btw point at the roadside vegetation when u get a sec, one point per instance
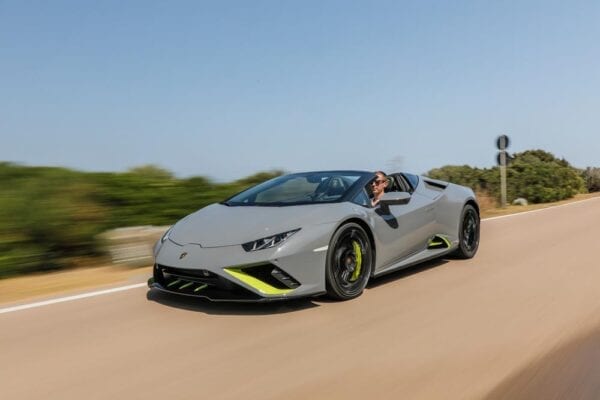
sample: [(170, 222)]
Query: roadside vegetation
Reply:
[(534, 175), (51, 218)]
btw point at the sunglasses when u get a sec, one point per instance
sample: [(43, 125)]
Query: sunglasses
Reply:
[(378, 182)]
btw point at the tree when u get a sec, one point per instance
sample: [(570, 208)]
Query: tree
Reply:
[(591, 177), (536, 175), (540, 177), (46, 217), (462, 175)]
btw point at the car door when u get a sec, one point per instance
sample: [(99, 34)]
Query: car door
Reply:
[(403, 229)]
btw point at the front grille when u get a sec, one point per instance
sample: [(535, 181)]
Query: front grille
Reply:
[(197, 282), (196, 275)]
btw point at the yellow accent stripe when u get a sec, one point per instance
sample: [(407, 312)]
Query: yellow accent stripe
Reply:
[(257, 284), (445, 239), (186, 285), (199, 288), (358, 257), (174, 283)]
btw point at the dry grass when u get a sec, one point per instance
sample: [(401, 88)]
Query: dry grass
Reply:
[(497, 211), (43, 285), (486, 202)]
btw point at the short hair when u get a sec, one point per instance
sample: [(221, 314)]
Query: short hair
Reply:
[(388, 181)]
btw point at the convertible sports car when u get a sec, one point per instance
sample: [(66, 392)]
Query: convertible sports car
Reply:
[(312, 233)]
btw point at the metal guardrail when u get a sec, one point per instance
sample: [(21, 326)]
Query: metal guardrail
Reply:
[(132, 246)]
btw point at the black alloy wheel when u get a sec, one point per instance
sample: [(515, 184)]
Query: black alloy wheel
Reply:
[(468, 233), (349, 262)]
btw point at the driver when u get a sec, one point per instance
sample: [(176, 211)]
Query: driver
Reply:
[(378, 187)]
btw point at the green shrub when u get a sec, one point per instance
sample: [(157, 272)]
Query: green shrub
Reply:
[(48, 216), (591, 176), (535, 175)]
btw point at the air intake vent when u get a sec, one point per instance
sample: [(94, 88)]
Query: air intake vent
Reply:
[(439, 242), (271, 275), (436, 184)]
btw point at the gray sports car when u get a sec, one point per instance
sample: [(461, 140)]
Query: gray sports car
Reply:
[(314, 233)]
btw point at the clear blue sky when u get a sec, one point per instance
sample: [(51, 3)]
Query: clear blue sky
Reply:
[(225, 89)]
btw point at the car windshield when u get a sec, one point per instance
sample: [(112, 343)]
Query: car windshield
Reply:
[(294, 189)]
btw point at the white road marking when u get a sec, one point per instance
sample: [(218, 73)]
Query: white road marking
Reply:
[(70, 298), (139, 285)]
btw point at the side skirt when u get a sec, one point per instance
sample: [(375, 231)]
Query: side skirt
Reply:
[(416, 258)]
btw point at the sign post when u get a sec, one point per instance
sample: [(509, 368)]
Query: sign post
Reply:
[(502, 143)]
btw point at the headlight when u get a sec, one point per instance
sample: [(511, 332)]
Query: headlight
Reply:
[(268, 242), (166, 235)]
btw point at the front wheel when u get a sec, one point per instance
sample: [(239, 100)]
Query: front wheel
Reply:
[(349, 262), (468, 232)]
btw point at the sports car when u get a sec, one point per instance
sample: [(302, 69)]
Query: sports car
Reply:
[(314, 233)]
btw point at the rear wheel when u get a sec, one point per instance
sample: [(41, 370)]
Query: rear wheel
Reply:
[(468, 233), (349, 262)]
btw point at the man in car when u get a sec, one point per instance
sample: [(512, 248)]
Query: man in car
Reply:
[(378, 187)]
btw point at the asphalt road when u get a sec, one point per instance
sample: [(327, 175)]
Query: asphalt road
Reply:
[(491, 327)]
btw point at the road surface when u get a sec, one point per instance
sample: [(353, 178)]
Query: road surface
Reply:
[(502, 325)]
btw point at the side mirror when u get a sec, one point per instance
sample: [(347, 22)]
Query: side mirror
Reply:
[(394, 198)]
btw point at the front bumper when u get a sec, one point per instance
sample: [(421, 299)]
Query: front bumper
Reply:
[(209, 294), (205, 284), (229, 273)]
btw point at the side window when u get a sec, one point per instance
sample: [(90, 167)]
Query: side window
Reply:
[(362, 199), (393, 184), (412, 179), (400, 184)]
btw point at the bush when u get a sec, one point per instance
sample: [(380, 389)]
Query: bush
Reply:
[(540, 177), (535, 175), (462, 175), (48, 216), (591, 176)]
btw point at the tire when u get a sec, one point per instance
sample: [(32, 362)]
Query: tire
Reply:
[(468, 233), (349, 262)]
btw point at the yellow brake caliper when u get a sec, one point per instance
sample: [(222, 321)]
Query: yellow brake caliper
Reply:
[(358, 256)]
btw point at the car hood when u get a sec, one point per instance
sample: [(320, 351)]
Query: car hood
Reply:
[(219, 225)]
